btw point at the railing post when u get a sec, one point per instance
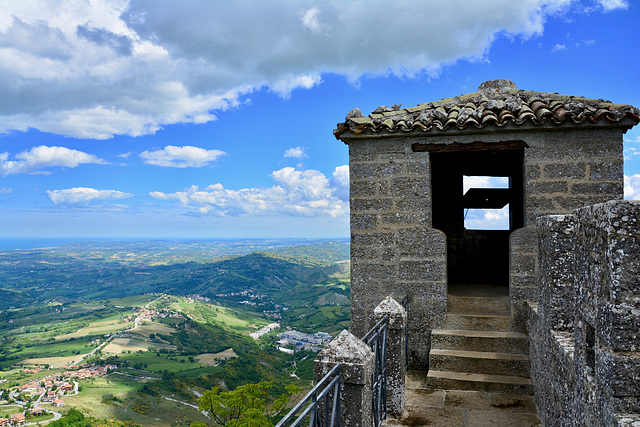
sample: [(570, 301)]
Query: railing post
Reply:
[(357, 363), (396, 352)]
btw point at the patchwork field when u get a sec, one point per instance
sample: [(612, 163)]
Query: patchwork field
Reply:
[(101, 327), (122, 345), (54, 362), (6, 410), (238, 319), (148, 327), (214, 358)]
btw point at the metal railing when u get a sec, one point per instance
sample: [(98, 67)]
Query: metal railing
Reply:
[(405, 304), (376, 338), (325, 395)]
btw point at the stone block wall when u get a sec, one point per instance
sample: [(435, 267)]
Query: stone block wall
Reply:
[(394, 250), (564, 170), (585, 335), (551, 320)]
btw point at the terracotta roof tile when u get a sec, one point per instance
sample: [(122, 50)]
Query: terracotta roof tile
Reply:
[(496, 103)]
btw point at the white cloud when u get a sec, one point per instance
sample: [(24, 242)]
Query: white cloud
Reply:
[(296, 153), (42, 157), (487, 219), (340, 182), (632, 187), (181, 157), (5, 190), (110, 67), (310, 19), (477, 181), (297, 193), (559, 48), (609, 5), (83, 197)]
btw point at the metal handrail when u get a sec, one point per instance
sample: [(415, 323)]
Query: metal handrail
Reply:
[(405, 304), (327, 391), (376, 338)]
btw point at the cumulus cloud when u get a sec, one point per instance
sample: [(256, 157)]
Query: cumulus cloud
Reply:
[(42, 157), (83, 197), (609, 5), (128, 67), (484, 182), (181, 157), (306, 193), (487, 219), (296, 153), (632, 187), (559, 47), (340, 182)]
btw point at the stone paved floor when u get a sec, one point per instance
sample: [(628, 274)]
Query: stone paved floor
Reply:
[(459, 408)]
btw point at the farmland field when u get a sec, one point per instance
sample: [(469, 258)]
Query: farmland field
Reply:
[(191, 336)]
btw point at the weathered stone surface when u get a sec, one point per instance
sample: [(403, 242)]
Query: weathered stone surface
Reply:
[(364, 222), (597, 188), (423, 270), (371, 205), (548, 187), (556, 272), (356, 361), (374, 170), (612, 171), (583, 271), (346, 349), (565, 170), (396, 352), (588, 375)]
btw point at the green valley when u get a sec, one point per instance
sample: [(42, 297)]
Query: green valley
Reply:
[(173, 326)]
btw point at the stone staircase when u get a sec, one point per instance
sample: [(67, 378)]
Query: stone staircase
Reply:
[(476, 350)]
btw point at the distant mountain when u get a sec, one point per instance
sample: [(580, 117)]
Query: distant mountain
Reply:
[(295, 275), (9, 298), (333, 251)]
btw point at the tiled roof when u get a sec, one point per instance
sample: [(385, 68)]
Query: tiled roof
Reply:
[(496, 103)]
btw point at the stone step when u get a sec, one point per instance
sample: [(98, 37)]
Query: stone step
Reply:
[(473, 304), (496, 341), (477, 321), (480, 362), (446, 380)]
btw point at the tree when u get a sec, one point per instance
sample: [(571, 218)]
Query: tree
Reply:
[(249, 405)]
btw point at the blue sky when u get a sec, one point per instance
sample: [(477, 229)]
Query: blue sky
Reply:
[(214, 119)]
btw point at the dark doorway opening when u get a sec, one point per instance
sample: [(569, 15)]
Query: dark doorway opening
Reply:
[(478, 199)]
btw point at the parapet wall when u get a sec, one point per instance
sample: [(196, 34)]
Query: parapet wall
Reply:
[(585, 330)]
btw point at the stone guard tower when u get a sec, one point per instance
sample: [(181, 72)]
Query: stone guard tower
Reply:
[(408, 234)]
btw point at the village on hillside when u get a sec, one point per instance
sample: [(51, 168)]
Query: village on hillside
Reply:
[(49, 389)]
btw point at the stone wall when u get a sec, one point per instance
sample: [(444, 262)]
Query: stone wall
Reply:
[(394, 250), (564, 170), (585, 332)]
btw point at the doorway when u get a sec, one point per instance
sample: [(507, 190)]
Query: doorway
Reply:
[(478, 200)]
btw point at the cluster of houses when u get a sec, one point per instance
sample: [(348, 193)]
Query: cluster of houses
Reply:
[(163, 313), (13, 420), (20, 419), (302, 341), (53, 386), (197, 297)]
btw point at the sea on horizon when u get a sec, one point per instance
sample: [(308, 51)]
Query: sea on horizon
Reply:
[(24, 243)]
